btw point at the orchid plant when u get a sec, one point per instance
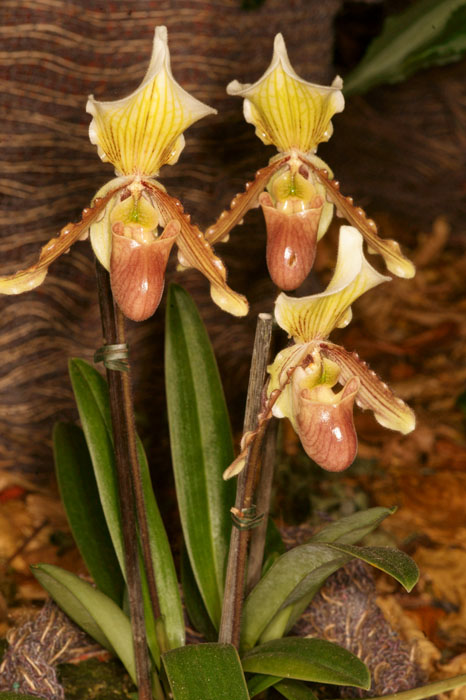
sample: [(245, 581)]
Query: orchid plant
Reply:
[(133, 223)]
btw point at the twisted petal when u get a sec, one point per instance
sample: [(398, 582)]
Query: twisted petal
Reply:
[(33, 276), (143, 131), (389, 410), (242, 203), (390, 250), (196, 252), (324, 423), (314, 317), (285, 109)]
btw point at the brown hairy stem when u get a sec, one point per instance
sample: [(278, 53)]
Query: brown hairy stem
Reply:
[(264, 490), (230, 625), (126, 458)]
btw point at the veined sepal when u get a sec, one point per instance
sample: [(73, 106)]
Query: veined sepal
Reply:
[(285, 109), (140, 133)]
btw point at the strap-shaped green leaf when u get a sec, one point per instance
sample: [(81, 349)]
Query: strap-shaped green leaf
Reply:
[(205, 672), (80, 496), (293, 579), (95, 612), (307, 660), (91, 393), (428, 32), (201, 446)]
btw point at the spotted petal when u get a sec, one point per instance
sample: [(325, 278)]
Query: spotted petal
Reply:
[(285, 109), (195, 251), (390, 250), (33, 276), (389, 410), (314, 317), (142, 132)]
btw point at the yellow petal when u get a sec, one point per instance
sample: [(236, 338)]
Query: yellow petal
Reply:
[(285, 109), (281, 371), (196, 252), (33, 276), (389, 410), (142, 132), (396, 262), (314, 317)]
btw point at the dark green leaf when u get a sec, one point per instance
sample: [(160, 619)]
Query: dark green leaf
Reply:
[(278, 599), (428, 32), (78, 490), (295, 690), (97, 614), (91, 394), (392, 561), (307, 660), (201, 446), (353, 528), (197, 613), (205, 672), (257, 684), (92, 398)]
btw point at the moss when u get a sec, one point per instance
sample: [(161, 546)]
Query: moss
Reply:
[(95, 680)]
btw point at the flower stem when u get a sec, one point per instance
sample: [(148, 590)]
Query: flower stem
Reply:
[(125, 456), (230, 625), (264, 491)]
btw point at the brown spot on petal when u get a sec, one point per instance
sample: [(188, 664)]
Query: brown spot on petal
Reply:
[(327, 430), (137, 272), (291, 242)]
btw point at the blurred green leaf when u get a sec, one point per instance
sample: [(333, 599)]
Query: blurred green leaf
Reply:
[(308, 660), (201, 446), (95, 612), (394, 562), (258, 683), (295, 690), (428, 32), (78, 490), (197, 613), (93, 402), (205, 672)]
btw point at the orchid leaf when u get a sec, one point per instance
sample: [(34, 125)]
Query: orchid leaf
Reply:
[(80, 497), (260, 682), (308, 660), (205, 672), (295, 690), (95, 612), (91, 394), (201, 446), (427, 33), (92, 398), (296, 576), (392, 561), (195, 608)]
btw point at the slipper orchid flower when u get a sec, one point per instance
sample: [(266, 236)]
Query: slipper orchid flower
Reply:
[(303, 376), (295, 116), (138, 135)]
